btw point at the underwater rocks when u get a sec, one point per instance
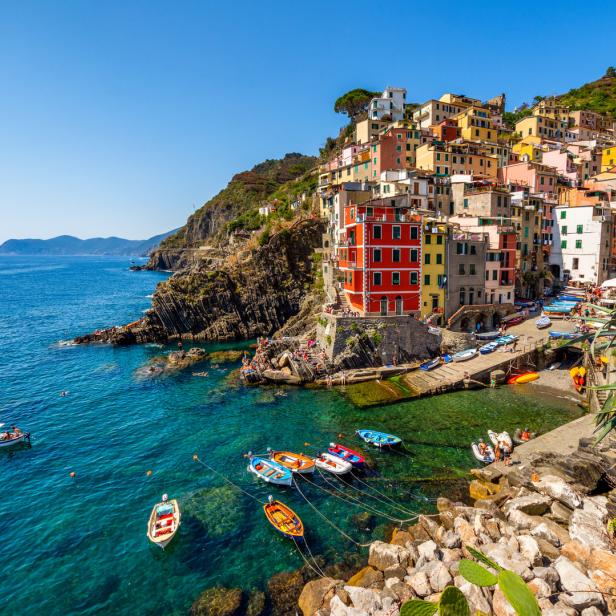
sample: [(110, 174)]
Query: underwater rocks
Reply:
[(218, 509), (218, 602)]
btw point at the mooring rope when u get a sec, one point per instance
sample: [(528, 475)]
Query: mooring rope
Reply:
[(349, 538), (318, 572), (314, 560)]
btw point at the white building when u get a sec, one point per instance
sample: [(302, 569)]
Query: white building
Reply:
[(404, 182), (390, 103), (581, 247)]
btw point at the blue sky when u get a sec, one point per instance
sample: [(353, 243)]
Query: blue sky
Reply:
[(119, 117)]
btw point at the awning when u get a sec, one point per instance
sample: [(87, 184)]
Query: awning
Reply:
[(609, 284)]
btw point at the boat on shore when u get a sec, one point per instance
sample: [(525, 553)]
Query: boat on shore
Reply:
[(270, 471), (487, 335), (164, 522), (430, 364), (295, 462), (500, 436), (543, 322), (464, 355), (563, 335), (346, 454), (283, 519), (379, 439), (488, 348), (333, 464), (487, 458)]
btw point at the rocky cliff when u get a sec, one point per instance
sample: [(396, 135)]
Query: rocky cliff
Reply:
[(253, 293)]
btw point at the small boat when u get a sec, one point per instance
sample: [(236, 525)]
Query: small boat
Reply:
[(517, 440), (501, 436), (488, 348), (520, 379), (379, 439), (8, 438), (487, 335), (511, 320), (333, 464), (270, 471), (295, 462), (336, 449), (504, 340), (488, 458), (555, 365), (447, 358), (430, 364), (464, 355), (164, 522), (563, 335), (543, 322), (283, 519)]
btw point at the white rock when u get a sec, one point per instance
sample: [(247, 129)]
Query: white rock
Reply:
[(474, 594), (428, 550), (507, 558), (529, 548), (591, 611), (520, 520), (596, 505), (578, 586), (540, 588), (392, 581), (548, 574), (588, 527), (440, 578), (543, 531), (559, 490), (559, 609), (419, 583), (338, 608), (366, 599), (450, 540), (383, 555), (449, 556), (532, 504), (500, 605)]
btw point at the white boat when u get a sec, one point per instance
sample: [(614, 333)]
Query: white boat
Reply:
[(464, 355), (488, 458), (164, 522), (543, 322), (333, 464), (500, 436), (8, 438)]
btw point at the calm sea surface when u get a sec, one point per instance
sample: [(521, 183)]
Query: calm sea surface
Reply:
[(78, 546)]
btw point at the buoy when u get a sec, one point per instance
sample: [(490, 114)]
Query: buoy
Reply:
[(72, 474), (148, 473), (534, 478), (195, 457)]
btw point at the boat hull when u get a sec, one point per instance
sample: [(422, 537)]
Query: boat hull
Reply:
[(346, 454), (295, 462), (500, 436), (270, 471), (488, 458), (379, 439), (430, 365), (333, 464), (22, 438), (284, 519), (464, 355), (520, 379)]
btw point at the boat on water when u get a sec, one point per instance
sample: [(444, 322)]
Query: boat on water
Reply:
[(464, 355), (543, 322), (563, 335), (333, 464), (14, 436), (517, 437), (348, 455), (164, 522), (497, 437), (566, 297), (283, 519), (487, 458), (270, 471), (430, 364), (487, 335), (379, 439), (295, 462), (520, 379), (488, 348)]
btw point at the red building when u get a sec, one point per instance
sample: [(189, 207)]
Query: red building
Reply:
[(380, 258)]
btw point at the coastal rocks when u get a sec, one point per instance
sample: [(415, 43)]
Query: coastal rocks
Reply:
[(588, 527), (316, 594), (420, 583), (218, 602), (529, 548), (532, 504), (508, 558), (368, 577), (220, 357), (579, 587), (283, 590), (559, 490), (383, 555)]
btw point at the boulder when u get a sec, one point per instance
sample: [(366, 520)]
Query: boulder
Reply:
[(397, 571), (588, 528), (218, 602), (420, 583), (369, 600), (578, 587), (577, 552), (549, 575), (312, 597), (559, 490), (532, 504), (481, 489), (558, 609), (430, 526), (549, 551), (475, 596), (449, 556), (417, 532), (591, 611), (465, 531), (383, 555), (500, 605), (520, 520), (338, 608), (540, 588), (255, 605), (450, 540), (440, 578), (602, 571), (559, 513), (544, 531), (529, 548), (368, 577), (489, 473), (509, 559), (428, 550)]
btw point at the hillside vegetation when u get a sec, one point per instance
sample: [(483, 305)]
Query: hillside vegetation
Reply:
[(599, 96)]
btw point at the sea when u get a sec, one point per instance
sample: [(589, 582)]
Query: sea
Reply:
[(77, 544)]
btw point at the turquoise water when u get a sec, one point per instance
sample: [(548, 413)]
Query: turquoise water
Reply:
[(78, 546)]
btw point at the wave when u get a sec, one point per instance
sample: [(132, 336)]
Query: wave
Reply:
[(150, 296), (28, 270)]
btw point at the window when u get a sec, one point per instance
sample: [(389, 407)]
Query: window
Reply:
[(494, 274), (395, 278), (414, 233), (376, 255), (473, 249), (414, 255), (576, 264), (439, 259), (563, 244), (461, 269), (471, 269), (428, 239), (462, 297), (414, 278), (580, 229), (369, 211), (564, 230), (439, 239), (466, 204), (395, 232), (427, 279), (578, 243), (395, 255), (439, 280), (377, 278), (376, 232), (427, 258), (563, 214)]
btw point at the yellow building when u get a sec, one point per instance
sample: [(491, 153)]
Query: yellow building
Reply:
[(550, 108), (433, 249), (456, 158), (541, 126), (529, 146), (608, 158), (476, 125)]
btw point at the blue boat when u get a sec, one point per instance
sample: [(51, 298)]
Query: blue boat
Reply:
[(503, 340), (563, 335), (270, 471), (430, 364), (570, 298), (447, 358), (488, 348), (379, 439)]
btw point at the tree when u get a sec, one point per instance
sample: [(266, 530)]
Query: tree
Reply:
[(354, 102), (611, 71)]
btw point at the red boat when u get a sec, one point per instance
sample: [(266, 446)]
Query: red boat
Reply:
[(346, 454)]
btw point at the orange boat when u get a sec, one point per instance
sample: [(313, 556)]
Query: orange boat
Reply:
[(296, 462), (283, 519)]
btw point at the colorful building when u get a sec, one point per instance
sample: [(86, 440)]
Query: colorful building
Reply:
[(456, 158), (433, 269), (608, 159)]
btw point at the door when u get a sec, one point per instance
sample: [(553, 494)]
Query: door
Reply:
[(383, 306), (398, 305)]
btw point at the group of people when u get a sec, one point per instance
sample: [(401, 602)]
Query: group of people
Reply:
[(9, 435)]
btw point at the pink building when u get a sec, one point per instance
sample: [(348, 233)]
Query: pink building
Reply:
[(564, 162), (536, 176)]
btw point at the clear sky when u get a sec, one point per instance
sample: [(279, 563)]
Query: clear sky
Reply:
[(118, 118)]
